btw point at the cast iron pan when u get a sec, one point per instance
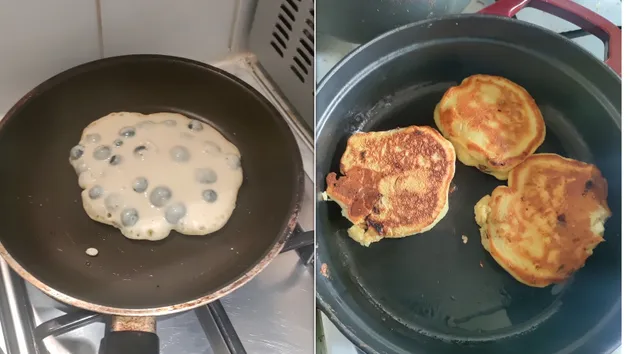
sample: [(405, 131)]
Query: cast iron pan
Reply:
[(46, 231), (359, 21), (432, 293)]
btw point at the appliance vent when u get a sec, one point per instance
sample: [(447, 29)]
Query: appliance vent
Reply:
[(287, 52)]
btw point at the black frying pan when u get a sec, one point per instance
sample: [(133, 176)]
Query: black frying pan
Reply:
[(432, 293), (46, 231)]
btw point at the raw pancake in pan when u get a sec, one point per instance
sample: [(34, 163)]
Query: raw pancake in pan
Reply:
[(149, 174)]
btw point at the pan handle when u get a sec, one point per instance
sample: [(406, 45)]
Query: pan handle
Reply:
[(131, 335), (567, 10)]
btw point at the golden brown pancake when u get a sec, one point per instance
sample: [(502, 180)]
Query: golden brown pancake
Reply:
[(394, 183), (546, 222), (493, 123)]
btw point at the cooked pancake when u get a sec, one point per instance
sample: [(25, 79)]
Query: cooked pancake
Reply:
[(493, 123), (546, 222), (394, 183)]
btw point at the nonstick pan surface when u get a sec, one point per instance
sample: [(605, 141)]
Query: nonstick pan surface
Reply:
[(45, 230), (433, 293)]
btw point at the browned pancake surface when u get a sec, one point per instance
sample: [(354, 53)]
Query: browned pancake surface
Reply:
[(394, 183), (545, 224), (493, 123)]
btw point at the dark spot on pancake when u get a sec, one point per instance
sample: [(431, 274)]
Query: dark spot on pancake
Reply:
[(561, 267), (376, 210), (562, 219), (376, 225), (362, 154), (482, 168), (587, 187)]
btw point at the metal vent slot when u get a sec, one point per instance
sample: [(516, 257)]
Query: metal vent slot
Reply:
[(297, 73), (279, 40), (278, 50), (293, 5), (304, 56), (283, 31), (283, 38), (288, 12), (301, 65), (285, 22), (307, 46)]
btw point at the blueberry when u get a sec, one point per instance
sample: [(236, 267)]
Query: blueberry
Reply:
[(160, 196), (195, 125), (170, 123), (115, 160), (129, 217), (175, 212), (211, 148), (95, 192), (209, 195), (80, 167), (118, 143), (127, 132), (205, 175), (179, 153), (140, 184), (233, 161), (113, 202), (102, 152), (76, 152), (93, 138)]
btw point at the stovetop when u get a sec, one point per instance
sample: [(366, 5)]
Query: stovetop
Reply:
[(330, 50), (273, 313)]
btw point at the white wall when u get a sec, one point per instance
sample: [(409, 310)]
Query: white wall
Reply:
[(39, 39)]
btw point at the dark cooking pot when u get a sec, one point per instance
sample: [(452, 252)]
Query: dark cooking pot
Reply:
[(432, 293)]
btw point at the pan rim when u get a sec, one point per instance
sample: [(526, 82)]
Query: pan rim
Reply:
[(327, 77), (329, 304), (289, 224)]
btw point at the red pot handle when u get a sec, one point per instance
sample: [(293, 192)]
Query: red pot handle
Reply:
[(574, 13)]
